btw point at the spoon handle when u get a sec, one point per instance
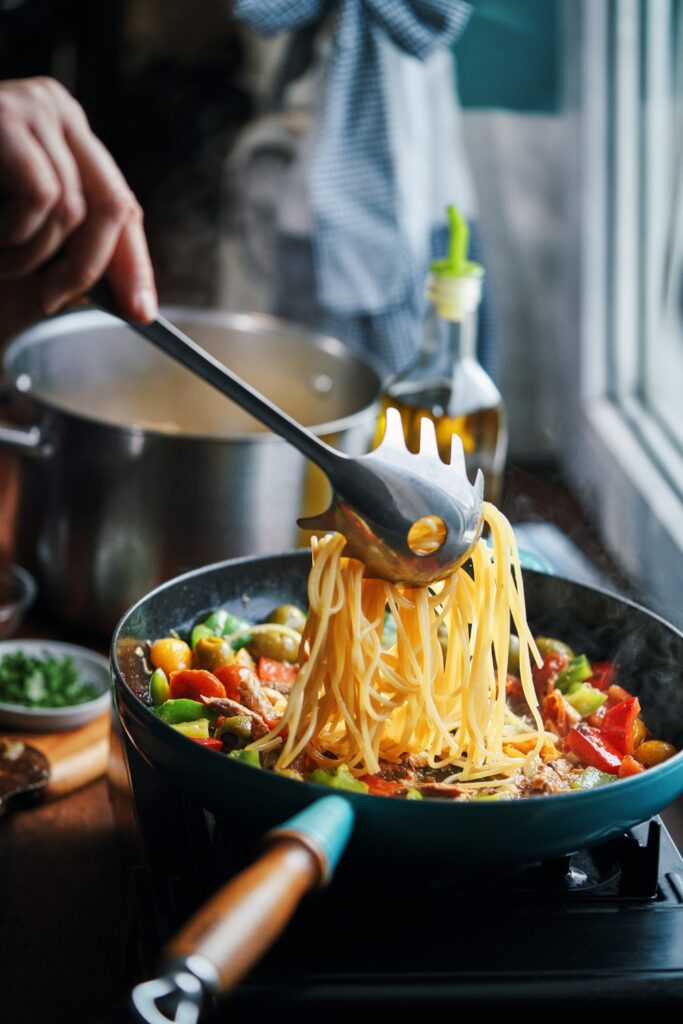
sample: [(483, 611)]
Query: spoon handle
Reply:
[(178, 346)]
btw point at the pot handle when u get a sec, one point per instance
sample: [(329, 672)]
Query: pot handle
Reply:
[(28, 441), (241, 921), (22, 440)]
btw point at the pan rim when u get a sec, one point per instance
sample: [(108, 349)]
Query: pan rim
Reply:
[(500, 808)]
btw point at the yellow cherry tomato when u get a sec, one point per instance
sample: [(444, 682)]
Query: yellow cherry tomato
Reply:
[(170, 654), (639, 732), (653, 752)]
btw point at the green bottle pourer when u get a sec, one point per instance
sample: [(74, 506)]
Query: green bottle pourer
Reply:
[(455, 282)]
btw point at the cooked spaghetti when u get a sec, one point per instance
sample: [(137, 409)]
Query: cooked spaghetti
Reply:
[(354, 703), (417, 693)]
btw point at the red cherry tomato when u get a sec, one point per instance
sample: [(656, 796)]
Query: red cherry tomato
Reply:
[(231, 676), (195, 683)]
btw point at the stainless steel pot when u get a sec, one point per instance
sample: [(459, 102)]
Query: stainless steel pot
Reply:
[(131, 471)]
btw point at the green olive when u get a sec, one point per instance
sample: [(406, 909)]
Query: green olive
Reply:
[(276, 645), (549, 645), (288, 615), (513, 655), (211, 652)]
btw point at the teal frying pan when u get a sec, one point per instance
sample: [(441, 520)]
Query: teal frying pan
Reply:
[(443, 833), (649, 653)]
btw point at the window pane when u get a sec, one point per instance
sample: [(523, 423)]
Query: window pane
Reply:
[(662, 206)]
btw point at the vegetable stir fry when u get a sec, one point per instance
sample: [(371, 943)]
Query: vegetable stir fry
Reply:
[(228, 687)]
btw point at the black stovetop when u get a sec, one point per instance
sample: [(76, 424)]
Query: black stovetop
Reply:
[(605, 924)]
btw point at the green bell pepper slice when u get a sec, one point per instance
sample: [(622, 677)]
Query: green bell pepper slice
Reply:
[(159, 688), (216, 621), (585, 699), (413, 794), (222, 623), (592, 777), (182, 710), (199, 633), (577, 671), (339, 779), (251, 757), (233, 624), (198, 730)]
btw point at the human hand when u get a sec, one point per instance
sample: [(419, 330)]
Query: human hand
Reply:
[(67, 215)]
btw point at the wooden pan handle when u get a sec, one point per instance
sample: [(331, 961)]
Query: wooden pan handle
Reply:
[(239, 923), (230, 932)]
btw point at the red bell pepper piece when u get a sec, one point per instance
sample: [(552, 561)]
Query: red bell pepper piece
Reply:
[(231, 676), (382, 787), (596, 719), (195, 683), (615, 694), (593, 749), (545, 676), (629, 766), (618, 724), (210, 743), (603, 674), (271, 671)]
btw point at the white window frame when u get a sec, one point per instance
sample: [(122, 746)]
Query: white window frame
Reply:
[(626, 467)]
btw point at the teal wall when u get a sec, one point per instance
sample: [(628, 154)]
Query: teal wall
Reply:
[(509, 56)]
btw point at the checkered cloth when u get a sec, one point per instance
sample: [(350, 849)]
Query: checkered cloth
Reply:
[(364, 266), (389, 339)]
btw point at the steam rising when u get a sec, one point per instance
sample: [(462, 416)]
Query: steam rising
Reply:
[(648, 651)]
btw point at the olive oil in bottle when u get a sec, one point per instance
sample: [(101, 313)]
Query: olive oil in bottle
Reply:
[(446, 383)]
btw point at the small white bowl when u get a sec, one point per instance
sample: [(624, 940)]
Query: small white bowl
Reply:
[(92, 668)]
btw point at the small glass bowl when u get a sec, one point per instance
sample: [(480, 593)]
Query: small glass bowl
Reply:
[(17, 594)]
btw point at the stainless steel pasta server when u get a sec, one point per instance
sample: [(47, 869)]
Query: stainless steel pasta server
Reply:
[(409, 518)]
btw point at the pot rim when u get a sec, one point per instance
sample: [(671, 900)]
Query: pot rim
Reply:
[(250, 323)]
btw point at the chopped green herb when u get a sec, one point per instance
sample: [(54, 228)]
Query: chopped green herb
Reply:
[(45, 682)]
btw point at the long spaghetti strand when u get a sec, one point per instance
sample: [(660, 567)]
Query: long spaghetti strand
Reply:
[(357, 704)]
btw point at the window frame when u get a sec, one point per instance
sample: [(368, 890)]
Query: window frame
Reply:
[(618, 454)]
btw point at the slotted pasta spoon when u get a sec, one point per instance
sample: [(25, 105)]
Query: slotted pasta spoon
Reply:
[(410, 519)]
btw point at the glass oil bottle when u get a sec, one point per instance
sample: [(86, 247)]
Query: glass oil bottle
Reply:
[(446, 383)]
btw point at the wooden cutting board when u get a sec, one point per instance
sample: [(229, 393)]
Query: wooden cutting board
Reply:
[(74, 757)]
